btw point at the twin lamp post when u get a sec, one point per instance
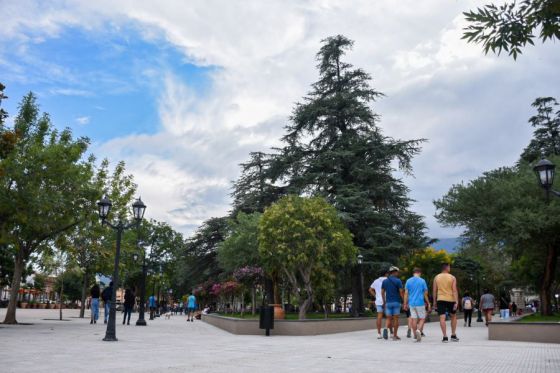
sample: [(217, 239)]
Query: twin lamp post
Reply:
[(104, 207)]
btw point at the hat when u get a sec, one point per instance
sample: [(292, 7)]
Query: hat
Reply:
[(394, 269)]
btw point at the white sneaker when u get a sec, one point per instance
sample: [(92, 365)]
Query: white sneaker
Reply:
[(379, 336), (418, 336)]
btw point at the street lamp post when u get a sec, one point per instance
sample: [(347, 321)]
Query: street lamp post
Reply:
[(544, 171), (479, 313), (138, 208), (141, 321), (361, 292)]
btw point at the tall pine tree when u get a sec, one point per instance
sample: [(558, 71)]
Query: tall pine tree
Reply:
[(253, 190), (335, 149), (546, 137)]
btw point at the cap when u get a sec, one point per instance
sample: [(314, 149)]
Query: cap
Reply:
[(393, 269)]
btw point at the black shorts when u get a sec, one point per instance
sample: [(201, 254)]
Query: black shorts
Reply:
[(407, 311), (444, 307)]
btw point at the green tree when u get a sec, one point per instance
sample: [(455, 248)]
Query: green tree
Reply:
[(3, 113), (335, 149), (253, 191), (546, 137), (199, 256), (87, 242), (304, 239), (241, 247), (69, 284), (513, 25), (44, 189), (429, 260), (505, 210)]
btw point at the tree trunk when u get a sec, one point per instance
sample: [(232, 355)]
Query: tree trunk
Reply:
[(85, 285), (276, 293), (60, 296), (303, 306), (253, 300), (548, 279), (16, 283)]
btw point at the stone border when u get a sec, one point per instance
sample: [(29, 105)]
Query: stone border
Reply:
[(293, 327), (511, 330)]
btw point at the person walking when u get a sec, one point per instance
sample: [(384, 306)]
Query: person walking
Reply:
[(129, 300), (94, 292), (514, 309), (152, 306), (191, 307), (106, 296), (467, 304), (392, 292), (487, 304), (447, 301), (375, 291), (416, 301)]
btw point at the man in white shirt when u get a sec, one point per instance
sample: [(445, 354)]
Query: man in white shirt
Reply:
[(375, 291)]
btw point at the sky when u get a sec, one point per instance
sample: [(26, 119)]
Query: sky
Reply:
[(183, 91)]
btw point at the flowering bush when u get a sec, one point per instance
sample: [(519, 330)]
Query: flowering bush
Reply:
[(216, 289), (230, 287), (248, 274)]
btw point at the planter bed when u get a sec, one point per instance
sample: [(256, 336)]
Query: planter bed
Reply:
[(293, 327), (513, 330)]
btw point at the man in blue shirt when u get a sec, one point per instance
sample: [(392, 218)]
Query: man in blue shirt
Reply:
[(392, 292), (152, 306), (191, 307), (416, 299)]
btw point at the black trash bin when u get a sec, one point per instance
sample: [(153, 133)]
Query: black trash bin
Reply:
[(266, 319)]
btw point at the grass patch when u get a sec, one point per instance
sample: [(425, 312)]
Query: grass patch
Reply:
[(537, 317), (295, 316)]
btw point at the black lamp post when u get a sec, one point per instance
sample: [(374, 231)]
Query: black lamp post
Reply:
[(138, 208), (544, 171), (479, 313), (141, 320), (361, 279)]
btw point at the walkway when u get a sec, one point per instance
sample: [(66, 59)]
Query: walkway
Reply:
[(177, 346)]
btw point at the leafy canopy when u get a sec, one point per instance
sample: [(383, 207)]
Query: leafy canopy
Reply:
[(512, 25), (335, 149), (304, 239)]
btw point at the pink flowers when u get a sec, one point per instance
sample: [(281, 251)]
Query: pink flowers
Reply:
[(248, 274)]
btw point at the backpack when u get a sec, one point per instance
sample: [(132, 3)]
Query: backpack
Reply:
[(468, 304)]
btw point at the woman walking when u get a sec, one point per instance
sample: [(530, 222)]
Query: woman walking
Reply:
[(129, 300), (94, 292), (467, 304), (487, 304)]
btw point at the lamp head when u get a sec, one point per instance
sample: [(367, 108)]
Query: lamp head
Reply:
[(138, 209), (360, 258), (544, 170), (104, 207)]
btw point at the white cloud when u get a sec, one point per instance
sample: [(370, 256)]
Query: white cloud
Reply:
[(472, 108), (82, 120), (71, 92)]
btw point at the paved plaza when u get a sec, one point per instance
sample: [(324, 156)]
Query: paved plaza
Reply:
[(177, 346)]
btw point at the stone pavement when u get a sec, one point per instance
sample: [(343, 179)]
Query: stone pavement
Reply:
[(177, 346)]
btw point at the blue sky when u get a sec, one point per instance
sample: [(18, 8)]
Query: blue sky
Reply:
[(102, 85), (183, 91)]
